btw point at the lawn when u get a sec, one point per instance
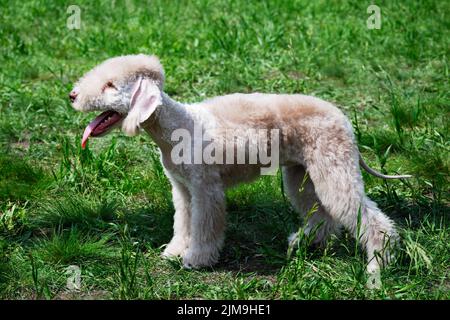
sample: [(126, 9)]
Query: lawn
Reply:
[(106, 211)]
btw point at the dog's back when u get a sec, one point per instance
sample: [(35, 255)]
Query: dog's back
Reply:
[(261, 110)]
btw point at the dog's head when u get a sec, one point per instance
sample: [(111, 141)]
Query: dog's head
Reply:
[(127, 89)]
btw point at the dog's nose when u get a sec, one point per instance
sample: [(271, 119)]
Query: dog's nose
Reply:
[(73, 95)]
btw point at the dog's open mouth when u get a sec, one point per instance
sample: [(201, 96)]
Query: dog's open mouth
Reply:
[(100, 125)]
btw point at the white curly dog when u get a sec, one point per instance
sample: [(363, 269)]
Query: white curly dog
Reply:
[(315, 139)]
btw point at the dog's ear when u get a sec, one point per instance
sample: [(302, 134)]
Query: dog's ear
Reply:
[(145, 98)]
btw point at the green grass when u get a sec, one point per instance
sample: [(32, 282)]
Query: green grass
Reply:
[(108, 210)]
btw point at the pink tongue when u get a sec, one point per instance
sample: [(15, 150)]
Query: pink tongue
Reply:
[(91, 126)]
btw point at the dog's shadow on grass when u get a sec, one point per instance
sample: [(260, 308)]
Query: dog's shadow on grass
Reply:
[(253, 242), (256, 236)]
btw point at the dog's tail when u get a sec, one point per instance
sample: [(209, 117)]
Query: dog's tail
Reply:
[(379, 174)]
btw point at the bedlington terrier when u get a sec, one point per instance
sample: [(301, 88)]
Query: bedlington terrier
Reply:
[(314, 144)]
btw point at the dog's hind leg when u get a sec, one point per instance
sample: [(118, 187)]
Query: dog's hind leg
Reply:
[(339, 187), (301, 193)]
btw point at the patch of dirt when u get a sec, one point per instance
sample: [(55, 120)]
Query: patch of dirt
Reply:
[(21, 145), (256, 263), (74, 295), (277, 74)]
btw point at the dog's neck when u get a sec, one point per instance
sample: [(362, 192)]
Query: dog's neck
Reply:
[(169, 116)]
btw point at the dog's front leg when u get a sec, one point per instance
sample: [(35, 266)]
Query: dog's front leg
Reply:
[(207, 225), (182, 221)]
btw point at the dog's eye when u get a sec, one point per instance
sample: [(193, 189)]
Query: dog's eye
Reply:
[(109, 84)]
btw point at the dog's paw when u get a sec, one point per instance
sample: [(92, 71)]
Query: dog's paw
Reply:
[(373, 275), (374, 281), (176, 247), (205, 257)]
